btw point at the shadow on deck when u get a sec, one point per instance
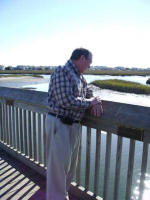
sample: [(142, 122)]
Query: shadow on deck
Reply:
[(18, 181)]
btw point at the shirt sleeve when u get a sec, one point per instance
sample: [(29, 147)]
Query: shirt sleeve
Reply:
[(64, 93)]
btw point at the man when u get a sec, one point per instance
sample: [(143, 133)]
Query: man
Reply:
[(68, 98)]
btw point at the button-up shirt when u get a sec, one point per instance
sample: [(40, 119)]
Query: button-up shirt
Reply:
[(68, 94)]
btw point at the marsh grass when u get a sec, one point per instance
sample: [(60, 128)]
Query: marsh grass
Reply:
[(23, 72), (118, 72), (92, 72), (122, 86), (20, 75)]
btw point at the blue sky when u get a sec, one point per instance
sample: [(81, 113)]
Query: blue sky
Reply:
[(45, 32)]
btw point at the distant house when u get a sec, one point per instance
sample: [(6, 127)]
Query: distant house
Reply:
[(47, 68), (2, 67), (20, 67), (120, 68), (39, 68)]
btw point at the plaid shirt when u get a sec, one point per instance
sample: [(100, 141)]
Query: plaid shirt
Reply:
[(68, 94)]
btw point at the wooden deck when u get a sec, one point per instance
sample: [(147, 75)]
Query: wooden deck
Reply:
[(18, 181)]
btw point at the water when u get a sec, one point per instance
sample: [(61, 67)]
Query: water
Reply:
[(124, 166), (118, 97), (110, 95), (90, 78)]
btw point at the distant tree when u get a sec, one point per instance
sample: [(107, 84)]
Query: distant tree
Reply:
[(9, 68), (148, 81)]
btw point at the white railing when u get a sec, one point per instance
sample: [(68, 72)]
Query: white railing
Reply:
[(105, 144)]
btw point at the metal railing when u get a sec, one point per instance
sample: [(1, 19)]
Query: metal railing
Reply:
[(105, 167)]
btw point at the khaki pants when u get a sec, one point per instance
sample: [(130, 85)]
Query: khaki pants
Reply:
[(62, 152)]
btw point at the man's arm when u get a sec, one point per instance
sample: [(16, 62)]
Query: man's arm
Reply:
[(64, 94)]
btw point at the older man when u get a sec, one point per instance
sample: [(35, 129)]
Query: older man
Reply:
[(68, 98)]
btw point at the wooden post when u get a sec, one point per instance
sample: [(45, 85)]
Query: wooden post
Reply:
[(25, 132), (21, 132), (14, 128), (97, 160), (11, 126), (34, 137), (118, 165), (29, 135), (143, 169), (107, 165), (1, 125), (39, 139), (88, 149), (17, 129), (44, 136), (130, 169), (78, 169)]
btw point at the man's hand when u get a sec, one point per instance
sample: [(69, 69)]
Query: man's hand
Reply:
[(95, 100), (97, 109)]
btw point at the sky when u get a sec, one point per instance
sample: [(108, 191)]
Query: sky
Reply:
[(45, 32)]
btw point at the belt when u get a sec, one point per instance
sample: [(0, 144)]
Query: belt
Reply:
[(65, 120)]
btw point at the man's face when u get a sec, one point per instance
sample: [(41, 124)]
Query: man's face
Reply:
[(85, 63)]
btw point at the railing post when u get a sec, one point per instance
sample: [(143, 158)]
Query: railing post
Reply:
[(97, 160), (29, 135), (130, 169), (39, 139), (88, 149), (118, 165), (34, 137), (143, 170), (107, 165), (21, 131), (25, 132), (78, 169), (44, 140), (17, 130), (1, 126), (14, 128), (10, 124)]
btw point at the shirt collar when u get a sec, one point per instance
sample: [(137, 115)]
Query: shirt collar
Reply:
[(75, 68)]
